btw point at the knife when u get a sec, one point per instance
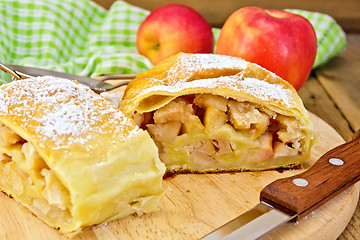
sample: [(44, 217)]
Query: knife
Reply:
[(290, 199), (97, 85)]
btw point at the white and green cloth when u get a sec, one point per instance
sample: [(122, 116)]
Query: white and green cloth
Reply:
[(82, 38)]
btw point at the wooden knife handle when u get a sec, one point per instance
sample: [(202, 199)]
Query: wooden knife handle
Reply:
[(335, 171)]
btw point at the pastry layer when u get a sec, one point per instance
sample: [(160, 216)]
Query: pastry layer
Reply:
[(72, 158), (210, 113)]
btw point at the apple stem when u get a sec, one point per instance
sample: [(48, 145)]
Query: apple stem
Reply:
[(156, 46)]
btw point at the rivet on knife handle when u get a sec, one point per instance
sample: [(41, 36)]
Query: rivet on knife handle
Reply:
[(331, 174)]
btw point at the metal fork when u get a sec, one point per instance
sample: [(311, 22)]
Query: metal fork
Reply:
[(97, 85)]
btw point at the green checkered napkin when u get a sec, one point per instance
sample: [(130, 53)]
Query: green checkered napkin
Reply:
[(77, 37), (82, 38)]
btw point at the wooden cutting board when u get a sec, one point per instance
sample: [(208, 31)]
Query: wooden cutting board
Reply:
[(196, 204)]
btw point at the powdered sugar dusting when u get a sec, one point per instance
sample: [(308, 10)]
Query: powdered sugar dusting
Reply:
[(187, 64), (252, 86), (193, 62), (62, 111), (189, 71), (264, 90)]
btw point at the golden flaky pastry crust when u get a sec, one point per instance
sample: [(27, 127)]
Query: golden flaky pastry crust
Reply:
[(244, 96), (72, 158)]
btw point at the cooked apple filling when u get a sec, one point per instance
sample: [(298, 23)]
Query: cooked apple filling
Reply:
[(28, 177), (205, 133)]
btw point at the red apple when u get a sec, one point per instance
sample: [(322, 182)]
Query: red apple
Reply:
[(173, 28), (282, 42)]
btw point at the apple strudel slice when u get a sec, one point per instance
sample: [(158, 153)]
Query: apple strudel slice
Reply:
[(72, 158), (213, 113)]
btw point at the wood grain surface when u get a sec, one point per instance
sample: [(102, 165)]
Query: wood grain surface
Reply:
[(332, 93), (196, 204), (345, 12)]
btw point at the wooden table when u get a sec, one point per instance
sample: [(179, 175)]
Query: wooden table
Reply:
[(333, 94), (333, 91)]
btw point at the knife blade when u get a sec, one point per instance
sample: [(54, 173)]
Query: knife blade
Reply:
[(292, 198), (97, 85), (35, 72)]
